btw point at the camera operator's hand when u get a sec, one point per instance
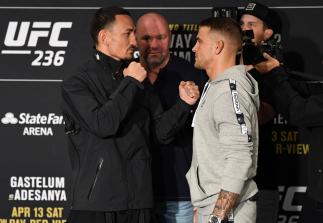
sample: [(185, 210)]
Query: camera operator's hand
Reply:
[(136, 71), (189, 92), (268, 65), (249, 67)]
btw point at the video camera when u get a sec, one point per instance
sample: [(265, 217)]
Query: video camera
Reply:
[(252, 53)]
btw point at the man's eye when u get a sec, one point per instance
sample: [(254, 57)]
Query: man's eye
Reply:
[(161, 37), (146, 38), (127, 34)]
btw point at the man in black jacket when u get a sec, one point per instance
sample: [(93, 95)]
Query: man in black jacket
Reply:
[(170, 162), (262, 21), (111, 116), (307, 114)]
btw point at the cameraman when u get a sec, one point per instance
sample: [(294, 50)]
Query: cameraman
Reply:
[(260, 19), (307, 114)]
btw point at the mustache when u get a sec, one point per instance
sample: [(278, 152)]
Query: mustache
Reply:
[(133, 48), (153, 51)]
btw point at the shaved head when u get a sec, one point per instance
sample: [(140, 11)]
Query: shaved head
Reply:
[(153, 18), (153, 38)]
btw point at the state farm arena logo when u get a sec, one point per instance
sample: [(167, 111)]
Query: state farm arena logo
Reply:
[(34, 124), (22, 38)]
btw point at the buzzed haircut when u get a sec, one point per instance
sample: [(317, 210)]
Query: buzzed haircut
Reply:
[(104, 17), (226, 26)]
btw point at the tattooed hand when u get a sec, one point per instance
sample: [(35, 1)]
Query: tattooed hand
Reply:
[(224, 204)]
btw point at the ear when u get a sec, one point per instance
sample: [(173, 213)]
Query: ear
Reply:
[(268, 33), (103, 36), (219, 46)]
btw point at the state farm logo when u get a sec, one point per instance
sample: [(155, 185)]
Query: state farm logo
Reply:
[(23, 38), (28, 119), (9, 118)]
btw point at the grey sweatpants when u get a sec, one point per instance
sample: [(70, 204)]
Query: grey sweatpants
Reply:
[(245, 212)]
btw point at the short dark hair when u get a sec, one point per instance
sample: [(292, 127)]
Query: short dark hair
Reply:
[(227, 26), (104, 17)]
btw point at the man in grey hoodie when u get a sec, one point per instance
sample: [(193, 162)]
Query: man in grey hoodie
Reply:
[(225, 141)]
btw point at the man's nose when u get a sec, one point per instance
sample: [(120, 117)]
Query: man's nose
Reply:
[(194, 48), (154, 42)]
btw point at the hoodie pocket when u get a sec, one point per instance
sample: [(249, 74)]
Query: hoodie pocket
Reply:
[(198, 180), (98, 169)]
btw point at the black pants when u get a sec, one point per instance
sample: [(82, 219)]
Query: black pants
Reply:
[(126, 216), (312, 211)]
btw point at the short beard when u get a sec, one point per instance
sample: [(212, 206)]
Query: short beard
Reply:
[(155, 63)]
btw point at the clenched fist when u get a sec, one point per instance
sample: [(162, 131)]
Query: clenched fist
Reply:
[(136, 71), (189, 92)]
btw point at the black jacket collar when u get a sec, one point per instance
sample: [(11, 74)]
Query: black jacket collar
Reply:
[(115, 66)]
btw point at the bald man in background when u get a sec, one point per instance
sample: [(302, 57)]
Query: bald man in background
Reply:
[(170, 162)]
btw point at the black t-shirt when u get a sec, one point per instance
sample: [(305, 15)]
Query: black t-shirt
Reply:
[(171, 162)]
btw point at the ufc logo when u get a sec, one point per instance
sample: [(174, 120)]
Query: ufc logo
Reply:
[(17, 37), (288, 202)]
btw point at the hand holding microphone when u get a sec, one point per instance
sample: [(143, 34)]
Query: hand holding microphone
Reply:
[(135, 69)]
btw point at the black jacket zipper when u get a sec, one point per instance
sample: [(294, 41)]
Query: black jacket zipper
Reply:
[(95, 178)]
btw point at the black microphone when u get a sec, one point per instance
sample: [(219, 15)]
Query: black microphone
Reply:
[(136, 55)]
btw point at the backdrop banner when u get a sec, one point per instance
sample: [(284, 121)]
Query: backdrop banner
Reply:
[(41, 43)]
